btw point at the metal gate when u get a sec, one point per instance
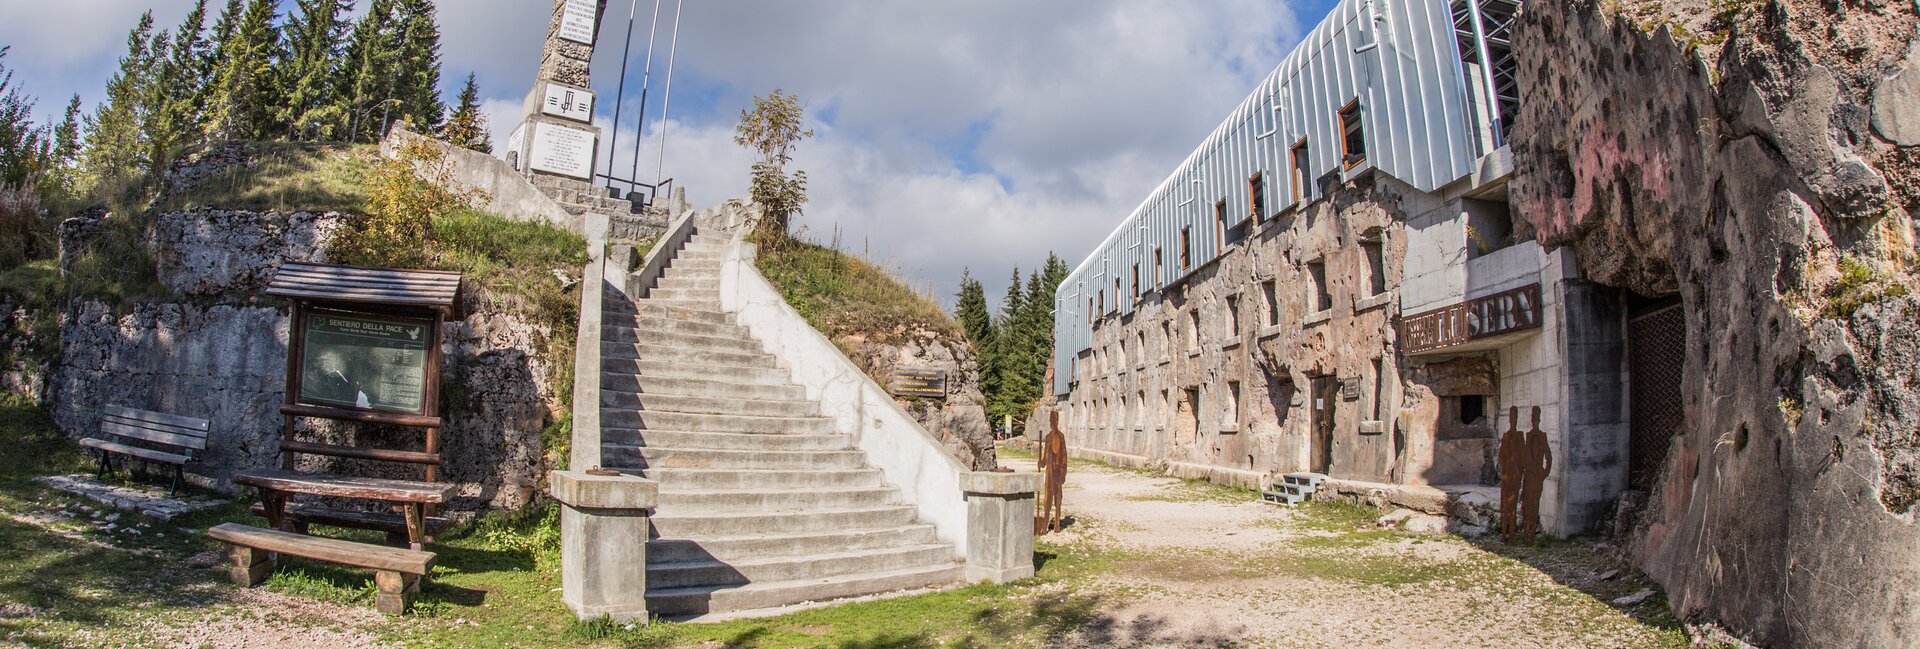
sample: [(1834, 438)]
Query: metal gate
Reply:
[(1658, 340)]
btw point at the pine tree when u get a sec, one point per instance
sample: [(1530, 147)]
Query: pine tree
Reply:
[(245, 95), (20, 142), (116, 145), (417, 95), (63, 155), (220, 47), (467, 127), (310, 75), (366, 72), (172, 111), (1009, 351), (973, 313)]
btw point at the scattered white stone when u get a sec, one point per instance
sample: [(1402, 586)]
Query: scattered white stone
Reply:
[(153, 503), (1609, 575), (1635, 598)]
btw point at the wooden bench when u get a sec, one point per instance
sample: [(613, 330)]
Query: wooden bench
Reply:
[(299, 516), (410, 497), (397, 572), (165, 439)]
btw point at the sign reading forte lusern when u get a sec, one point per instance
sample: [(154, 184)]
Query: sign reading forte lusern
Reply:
[(364, 362), (1501, 313)]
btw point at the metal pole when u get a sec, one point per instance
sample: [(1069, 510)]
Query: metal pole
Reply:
[(673, 51), (646, 79), (1486, 71), (620, 93)]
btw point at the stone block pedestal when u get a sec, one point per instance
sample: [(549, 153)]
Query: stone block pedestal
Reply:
[(603, 543), (999, 525)]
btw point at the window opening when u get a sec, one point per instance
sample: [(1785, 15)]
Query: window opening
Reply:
[(1186, 247), (1302, 173), (1353, 136), (1193, 330), (1376, 264), (1233, 315), (1472, 408), (1317, 276), (1257, 198), (1267, 291)]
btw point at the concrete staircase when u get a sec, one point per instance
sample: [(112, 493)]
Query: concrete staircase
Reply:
[(762, 504), (1293, 488)]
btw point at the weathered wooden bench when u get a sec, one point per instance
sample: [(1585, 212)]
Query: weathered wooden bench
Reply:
[(396, 572), (166, 439), (410, 497)]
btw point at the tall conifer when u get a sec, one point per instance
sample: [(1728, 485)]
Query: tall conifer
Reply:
[(467, 127), (311, 109), (418, 68), (973, 313), (366, 72), (115, 143), (245, 98), (19, 140), (172, 99)]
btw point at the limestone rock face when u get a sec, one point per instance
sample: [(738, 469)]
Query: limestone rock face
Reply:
[(1786, 510), (220, 252), (961, 420)]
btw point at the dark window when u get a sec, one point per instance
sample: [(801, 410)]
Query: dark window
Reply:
[(1257, 198), (1233, 315), (1186, 247), (1159, 267), (1376, 265), (1267, 290), (1302, 173), (1472, 408), (1317, 274), (1230, 233), (1136, 282), (1193, 329), (1353, 140)]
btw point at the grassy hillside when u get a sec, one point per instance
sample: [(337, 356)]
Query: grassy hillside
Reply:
[(840, 294)]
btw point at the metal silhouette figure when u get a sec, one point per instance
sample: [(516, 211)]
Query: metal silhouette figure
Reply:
[(1525, 462), (1053, 462)]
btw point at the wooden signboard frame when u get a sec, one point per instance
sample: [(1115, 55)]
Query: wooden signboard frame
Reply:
[(427, 297)]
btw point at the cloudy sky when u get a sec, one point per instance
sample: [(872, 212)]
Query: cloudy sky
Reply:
[(964, 133)]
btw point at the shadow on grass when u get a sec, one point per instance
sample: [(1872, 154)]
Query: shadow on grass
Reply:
[(1581, 564)]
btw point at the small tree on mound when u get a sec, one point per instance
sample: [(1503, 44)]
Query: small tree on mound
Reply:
[(772, 129), (467, 127), (401, 204)]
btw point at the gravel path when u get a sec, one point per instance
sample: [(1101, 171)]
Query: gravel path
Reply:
[(1199, 567)]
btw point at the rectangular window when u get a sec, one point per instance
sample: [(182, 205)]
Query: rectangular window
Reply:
[(1116, 292), (1379, 391), (1221, 219), (1353, 140), (1193, 407), (1267, 291), (1103, 301), (1159, 267), (1166, 335), (1136, 282), (1302, 172), (1140, 409), (1317, 277), (1186, 247), (1166, 406), (1233, 316), (1090, 311), (1140, 343), (1376, 265), (1123, 354), (1193, 330), (1257, 198), (1233, 404)]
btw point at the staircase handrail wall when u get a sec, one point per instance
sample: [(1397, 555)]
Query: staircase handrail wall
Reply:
[(678, 233), (585, 453), (910, 457)]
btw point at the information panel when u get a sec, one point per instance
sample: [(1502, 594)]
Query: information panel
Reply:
[(577, 23), (561, 150), (920, 383), (365, 362)]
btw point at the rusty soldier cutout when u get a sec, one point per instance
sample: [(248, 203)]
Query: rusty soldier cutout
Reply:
[(1539, 463), (1053, 463), (1512, 475)]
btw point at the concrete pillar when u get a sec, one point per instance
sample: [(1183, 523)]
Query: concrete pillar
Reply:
[(603, 543), (999, 525)]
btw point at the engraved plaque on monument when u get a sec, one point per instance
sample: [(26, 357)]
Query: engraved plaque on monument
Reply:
[(561, 150), (577, 23), (570, 103)]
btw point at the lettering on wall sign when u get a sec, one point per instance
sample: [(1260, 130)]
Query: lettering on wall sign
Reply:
[(561, 150), (567, 102), (1501, 313), (912, 382), (578, 21)]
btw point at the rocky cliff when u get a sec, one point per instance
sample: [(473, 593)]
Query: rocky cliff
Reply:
[(1762, 169)]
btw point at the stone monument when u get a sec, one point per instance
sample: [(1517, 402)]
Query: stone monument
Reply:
[(555, 144)]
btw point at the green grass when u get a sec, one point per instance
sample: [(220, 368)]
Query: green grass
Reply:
[(840, 294), (288, 176)]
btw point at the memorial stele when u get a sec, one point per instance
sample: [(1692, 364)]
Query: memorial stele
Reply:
[(556, 137)]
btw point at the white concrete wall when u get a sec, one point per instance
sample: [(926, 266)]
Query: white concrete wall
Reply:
[(1532, 370), (910, 457)]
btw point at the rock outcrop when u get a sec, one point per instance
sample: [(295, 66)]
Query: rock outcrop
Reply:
[(961, 420), (1770, 190)]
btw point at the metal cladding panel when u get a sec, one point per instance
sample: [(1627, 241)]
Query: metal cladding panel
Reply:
[(1398, 57)]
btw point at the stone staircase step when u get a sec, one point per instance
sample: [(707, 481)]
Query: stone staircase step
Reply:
[(675, 311), (649, 457), (686, 327), (696, 387), (739, 548), (694, 263), (684, 574), (764, 478), (700, 600), (696, 405), (668, 524), (681, 339), (687, 281), (613, 349), (700, 248), (691, 305), (725, 441), (778, 500), (664, 369), (690, 294), (648, 420)]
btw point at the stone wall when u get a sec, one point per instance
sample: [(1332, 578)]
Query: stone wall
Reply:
[(1785, 511)]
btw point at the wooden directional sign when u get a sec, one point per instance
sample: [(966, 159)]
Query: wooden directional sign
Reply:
[(921, 382)]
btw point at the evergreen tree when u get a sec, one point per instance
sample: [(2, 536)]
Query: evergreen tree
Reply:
[(63, 155), (311, 109), (973, 313), (20, 142), (1009, 351), (116, 145), (366, 72), (467, 127), (245, 98), (417, 73), (171, 114), (220, 47)]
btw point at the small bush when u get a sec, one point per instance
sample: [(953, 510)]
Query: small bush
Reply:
[(1858, 286), (25, 231)]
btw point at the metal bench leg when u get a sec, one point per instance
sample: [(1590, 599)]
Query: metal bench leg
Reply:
[(102, 473), (175, 491)]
